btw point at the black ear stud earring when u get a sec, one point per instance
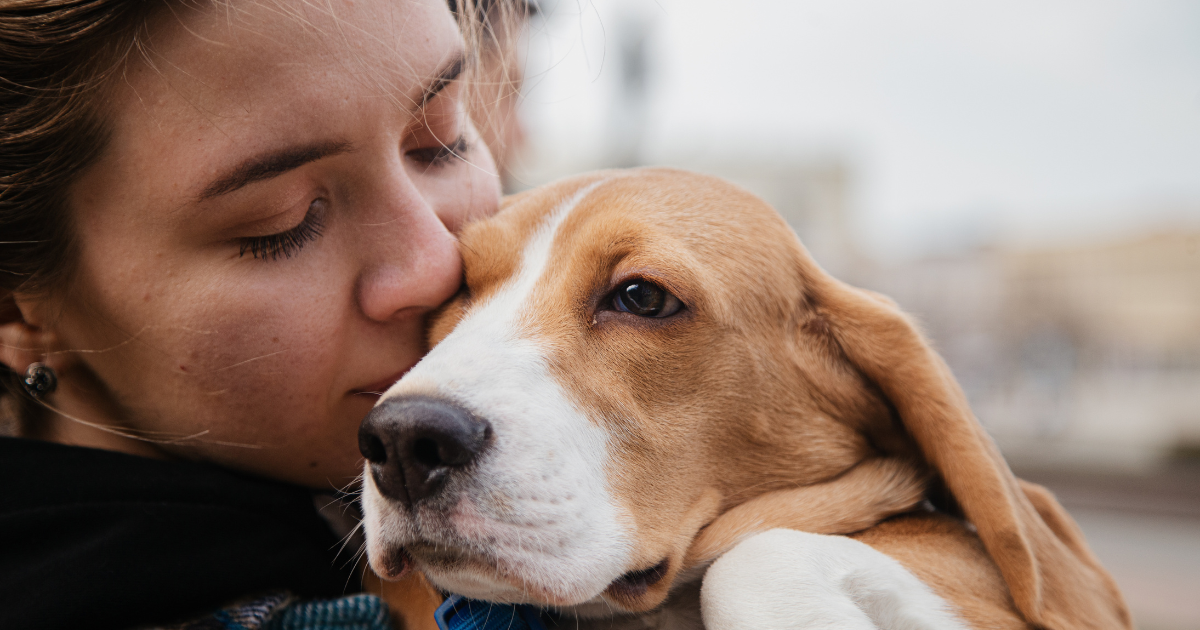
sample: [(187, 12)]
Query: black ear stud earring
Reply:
[(40, 380)]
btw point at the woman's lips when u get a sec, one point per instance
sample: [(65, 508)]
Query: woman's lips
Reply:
[(379, 387)]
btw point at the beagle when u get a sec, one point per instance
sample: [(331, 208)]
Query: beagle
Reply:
[(649, 408)]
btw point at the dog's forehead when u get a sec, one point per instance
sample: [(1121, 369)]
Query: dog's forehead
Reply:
[(704, 224)]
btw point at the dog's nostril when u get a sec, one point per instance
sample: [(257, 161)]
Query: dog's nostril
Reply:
[(425, 451), (371, 448)]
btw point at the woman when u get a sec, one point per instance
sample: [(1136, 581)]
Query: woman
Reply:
[(222, 225)]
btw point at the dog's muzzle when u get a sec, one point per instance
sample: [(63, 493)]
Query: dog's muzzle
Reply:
[(414, 443)]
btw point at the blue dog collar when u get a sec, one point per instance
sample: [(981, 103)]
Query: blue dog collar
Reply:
[(460, 613)]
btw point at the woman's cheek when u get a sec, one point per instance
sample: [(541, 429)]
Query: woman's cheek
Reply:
[(488, 181), (269, 411), (256, 363)]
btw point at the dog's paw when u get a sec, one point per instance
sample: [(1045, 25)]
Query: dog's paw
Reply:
[(783, 580)]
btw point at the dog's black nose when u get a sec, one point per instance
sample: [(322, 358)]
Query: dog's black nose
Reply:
[(414, 442)]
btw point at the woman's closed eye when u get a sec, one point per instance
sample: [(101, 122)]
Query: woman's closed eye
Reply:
[(441, 154), (287, 243)]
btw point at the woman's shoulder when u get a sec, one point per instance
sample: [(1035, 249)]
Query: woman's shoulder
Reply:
[(92, 538)]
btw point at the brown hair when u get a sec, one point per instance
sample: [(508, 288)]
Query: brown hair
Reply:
[(56, 60), (495, 85)]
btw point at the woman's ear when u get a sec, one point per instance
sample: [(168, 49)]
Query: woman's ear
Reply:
[(1053, 578), (25, 336)]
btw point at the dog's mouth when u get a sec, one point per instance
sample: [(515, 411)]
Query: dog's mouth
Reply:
[(432, 555), (627, 588), (395, 564), (397, 561), (634, 584)]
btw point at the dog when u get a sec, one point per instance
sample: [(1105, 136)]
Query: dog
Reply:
[(649, 407)]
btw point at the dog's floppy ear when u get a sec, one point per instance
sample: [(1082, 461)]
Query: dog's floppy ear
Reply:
[(1054, 579)]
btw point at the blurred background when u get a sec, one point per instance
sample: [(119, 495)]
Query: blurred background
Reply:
[(1023, 176)]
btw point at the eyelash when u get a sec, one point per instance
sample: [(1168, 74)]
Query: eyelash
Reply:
[(285, 244), (442, 154)]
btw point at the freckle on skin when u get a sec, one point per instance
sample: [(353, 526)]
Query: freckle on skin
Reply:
[(275, 339), (312, 464), (183, 368)]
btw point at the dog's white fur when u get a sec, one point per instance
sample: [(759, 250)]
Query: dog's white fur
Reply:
[(785, 579)]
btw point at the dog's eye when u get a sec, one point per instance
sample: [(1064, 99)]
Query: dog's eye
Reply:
[(645, 299)]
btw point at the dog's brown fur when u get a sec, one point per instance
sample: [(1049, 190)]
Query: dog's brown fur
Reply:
[(727, 419), (411, 600)]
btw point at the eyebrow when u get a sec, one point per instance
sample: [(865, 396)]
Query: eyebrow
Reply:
[(280, 161), (446, 76), (269, 165)]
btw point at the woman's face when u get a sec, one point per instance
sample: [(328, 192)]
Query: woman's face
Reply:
[(271, 221)]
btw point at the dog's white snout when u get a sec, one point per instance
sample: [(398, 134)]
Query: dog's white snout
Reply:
[(533, 502), (530, 510)]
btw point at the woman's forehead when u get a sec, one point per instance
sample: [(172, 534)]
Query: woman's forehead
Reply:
[(245, 76), (227, 50)]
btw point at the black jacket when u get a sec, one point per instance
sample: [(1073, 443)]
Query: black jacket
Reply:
[(97, 539)]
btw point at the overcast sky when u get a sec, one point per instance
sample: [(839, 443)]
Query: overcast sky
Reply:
[(1018, 120)]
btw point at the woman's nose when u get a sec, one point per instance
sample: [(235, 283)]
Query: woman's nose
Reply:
[(414, 265)]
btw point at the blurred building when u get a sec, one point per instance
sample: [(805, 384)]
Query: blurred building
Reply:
[(1079, 356)]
